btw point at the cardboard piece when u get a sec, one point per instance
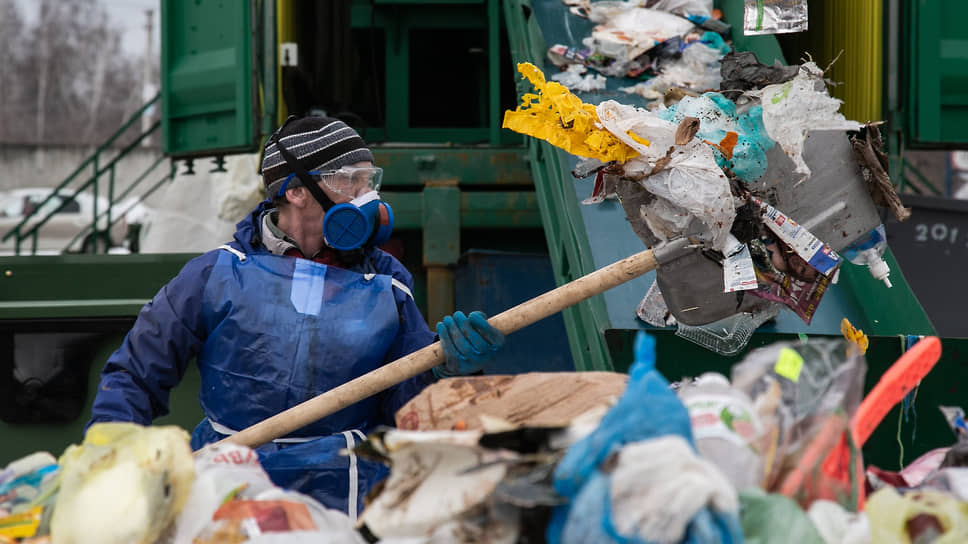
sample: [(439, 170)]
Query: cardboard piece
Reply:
[(536, 399)]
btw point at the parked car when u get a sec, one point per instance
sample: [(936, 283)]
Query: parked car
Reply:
[(68, 229)]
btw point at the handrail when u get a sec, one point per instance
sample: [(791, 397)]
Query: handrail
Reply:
[(109, 168), (928, 186), (167, 177)]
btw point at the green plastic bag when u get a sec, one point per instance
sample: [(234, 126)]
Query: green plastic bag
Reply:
[(769, 518)]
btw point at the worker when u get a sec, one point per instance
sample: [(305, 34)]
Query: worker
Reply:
[(298, 303)]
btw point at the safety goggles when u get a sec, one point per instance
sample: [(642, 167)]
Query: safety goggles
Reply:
[(348, 181)]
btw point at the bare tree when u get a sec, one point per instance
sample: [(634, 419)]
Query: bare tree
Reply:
[(75, 69), (11, 91)]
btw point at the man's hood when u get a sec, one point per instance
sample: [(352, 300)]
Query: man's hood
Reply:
[(248, 231)]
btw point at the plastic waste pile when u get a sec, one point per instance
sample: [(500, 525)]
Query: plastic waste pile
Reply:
[(769, 453), (728, 152), (130, 484)]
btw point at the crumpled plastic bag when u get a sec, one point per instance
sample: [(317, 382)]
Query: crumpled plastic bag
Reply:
[(436, 477), (838, 526), (920, 516), (911, 475), (226, 472), (647, 410), (124, 483), (625, 30), (952, 480), (769, 518), (658, 490), (805, 394), (689, 180), (575, 79), (659, 485), (793, 108), (696, 70), (739, 141), (702, 8)]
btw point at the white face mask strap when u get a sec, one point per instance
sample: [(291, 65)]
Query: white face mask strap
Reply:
[(365, 198)]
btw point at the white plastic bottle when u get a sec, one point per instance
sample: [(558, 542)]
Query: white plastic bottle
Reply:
[(725, 428), (869, 250)]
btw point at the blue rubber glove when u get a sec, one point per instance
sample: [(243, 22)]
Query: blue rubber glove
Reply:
[(469, 342)]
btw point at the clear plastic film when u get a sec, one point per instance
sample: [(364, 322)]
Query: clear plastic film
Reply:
[(774, 16)]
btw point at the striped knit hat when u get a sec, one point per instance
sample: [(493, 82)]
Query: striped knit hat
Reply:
[(319, 143)]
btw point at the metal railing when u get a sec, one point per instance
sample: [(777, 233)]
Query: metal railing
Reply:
[(913, 180), (105, 218)]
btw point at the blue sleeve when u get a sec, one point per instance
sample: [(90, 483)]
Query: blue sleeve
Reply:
[(412, 335), (154, 355)]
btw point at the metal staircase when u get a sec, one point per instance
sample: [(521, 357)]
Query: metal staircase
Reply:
[(92, 175)]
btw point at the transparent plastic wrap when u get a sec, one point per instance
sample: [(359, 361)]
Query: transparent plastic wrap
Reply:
[(653, 309), (730, 335), (774, 16), (797, 388)]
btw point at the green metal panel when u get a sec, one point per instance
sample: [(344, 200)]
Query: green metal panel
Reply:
[(441, 223), (400, 20), (207, 79), (470, 165), (478, 210), (22, 439), (82, 286), (935, 45), (765, 46)]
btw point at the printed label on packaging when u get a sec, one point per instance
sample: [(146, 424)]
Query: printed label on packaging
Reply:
[(22, 525), (817, 254), (739, 274), (715, 416)]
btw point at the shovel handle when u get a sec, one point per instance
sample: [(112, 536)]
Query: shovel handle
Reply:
[(424, 359)]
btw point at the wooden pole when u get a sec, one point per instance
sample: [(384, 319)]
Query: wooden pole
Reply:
[(424, 359)]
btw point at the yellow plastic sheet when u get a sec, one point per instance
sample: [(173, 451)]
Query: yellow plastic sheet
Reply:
[(560, 118)]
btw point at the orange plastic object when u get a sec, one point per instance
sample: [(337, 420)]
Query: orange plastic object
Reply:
[(826, 441), (899, 380)]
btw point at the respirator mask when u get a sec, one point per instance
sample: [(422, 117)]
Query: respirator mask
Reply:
[(355, 216)]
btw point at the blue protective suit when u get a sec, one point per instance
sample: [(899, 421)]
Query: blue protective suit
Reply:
[(269, 332)]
